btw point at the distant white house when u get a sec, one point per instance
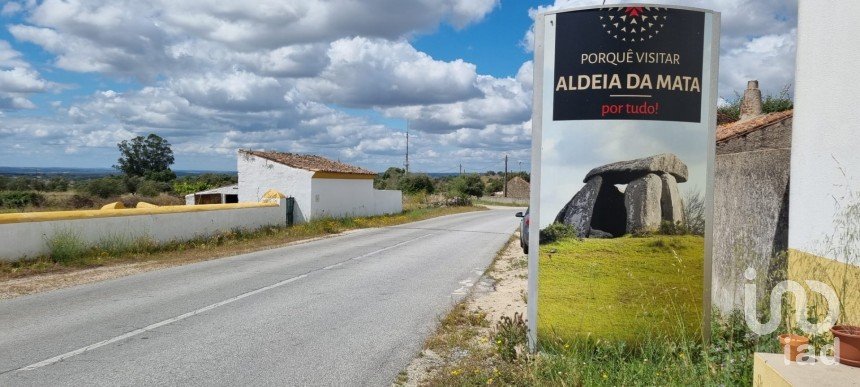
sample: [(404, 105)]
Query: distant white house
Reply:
[(221, 195), (321, 187)]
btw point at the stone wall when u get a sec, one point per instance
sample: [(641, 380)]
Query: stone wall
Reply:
[(750, 211), (775, 136)]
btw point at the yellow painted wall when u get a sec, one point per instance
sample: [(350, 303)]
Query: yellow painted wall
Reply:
[(842, 277)]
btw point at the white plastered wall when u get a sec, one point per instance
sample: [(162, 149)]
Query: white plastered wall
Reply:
[(30, 239), (258, 175), (825, 154), (388, 201), (338, 198)]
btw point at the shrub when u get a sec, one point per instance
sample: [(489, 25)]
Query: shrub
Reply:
[(390, 179), (557, 232), (465, 186), (493, 186), (677, 228), (58, 184), (80, 201), (185, 187), (66, 246), (19, 199), (694, 212), (164, 199), (414, 183), (731, 112), (151, 188), (510, 335), (105, 187)]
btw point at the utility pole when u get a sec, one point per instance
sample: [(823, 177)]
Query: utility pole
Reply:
[(407, 147), (505, 184)]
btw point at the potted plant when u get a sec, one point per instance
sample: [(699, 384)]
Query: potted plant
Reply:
[(848, 347), (791, 343)]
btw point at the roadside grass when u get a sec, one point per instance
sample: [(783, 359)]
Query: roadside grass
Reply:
[(621, 288), (672, 355), (491, 202), (68, 252)]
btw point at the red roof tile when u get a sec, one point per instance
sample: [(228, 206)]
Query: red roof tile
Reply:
[(310, 162), (740, 128)]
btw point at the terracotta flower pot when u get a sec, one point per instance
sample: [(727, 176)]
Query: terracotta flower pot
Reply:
[(849, 344), (790, 344)]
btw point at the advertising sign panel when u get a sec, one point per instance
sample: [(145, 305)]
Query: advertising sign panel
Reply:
[(623, 152)]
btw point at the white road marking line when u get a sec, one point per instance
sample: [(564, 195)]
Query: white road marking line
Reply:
[(468, 283), (204, 309)]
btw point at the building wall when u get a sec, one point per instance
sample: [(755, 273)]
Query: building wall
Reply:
[(750, 221), (338, 198), (26, 234), (314, 197), (258, 175), (388, 201), (825, 164)]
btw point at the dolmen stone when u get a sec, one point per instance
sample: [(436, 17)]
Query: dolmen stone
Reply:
[(600, 209), (673, 206), (577, 212), (624, 172), (643, 203)]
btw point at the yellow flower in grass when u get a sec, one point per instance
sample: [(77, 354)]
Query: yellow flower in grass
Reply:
[(456, 372), (489, 381)]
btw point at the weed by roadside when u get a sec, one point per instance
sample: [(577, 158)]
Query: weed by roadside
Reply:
[(66, 246), (473, 352)]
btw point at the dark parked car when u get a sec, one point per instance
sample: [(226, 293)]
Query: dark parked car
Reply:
[(524, 230)]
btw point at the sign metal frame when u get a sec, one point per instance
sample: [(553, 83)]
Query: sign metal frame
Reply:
[(710, 53)]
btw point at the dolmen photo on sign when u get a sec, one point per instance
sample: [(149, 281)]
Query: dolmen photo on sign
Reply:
[(623, 143), (601, 210)]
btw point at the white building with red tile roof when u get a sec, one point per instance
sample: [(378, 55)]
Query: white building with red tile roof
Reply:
[(321, 187)]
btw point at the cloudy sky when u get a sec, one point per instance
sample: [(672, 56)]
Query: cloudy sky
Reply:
[(338, 77)]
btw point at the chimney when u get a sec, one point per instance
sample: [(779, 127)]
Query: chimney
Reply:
[(751, 104)]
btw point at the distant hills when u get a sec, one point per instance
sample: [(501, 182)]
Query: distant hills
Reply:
[(83, 172), (100, 172)]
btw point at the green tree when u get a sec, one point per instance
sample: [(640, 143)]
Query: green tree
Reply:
[(149, 157), (196, 183), (493, 186), (105, 187), (414, 183), (390, 179), (467, 185)]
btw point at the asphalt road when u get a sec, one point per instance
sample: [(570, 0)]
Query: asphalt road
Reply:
[(348, 310)]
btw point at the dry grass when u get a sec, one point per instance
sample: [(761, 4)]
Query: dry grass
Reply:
[(71, 200)]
